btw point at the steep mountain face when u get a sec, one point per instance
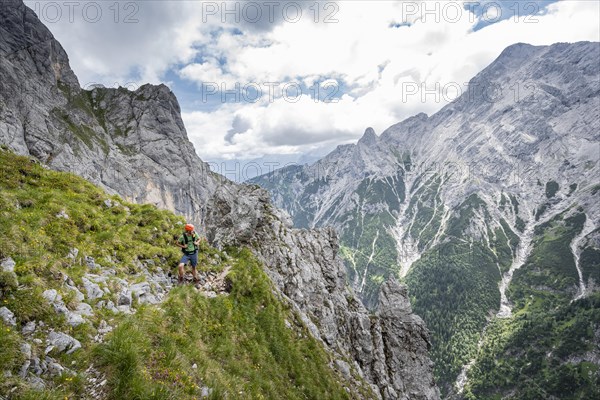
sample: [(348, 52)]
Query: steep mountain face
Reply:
[(135, 144), (388, 348), (488, 208), (131, 143)]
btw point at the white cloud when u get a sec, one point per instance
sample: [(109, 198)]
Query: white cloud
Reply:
[(279, 127), (379, 64), (374, 59), (121, 42)]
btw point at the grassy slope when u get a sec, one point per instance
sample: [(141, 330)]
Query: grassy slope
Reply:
[(241, 343), (540, 351)]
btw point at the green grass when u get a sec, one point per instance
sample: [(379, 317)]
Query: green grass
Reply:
[(240, 345), (248, 344), (39, 240), (10, 356), (550, 266), (32, 233)]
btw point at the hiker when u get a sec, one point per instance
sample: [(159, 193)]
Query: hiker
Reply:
[(189, 242)]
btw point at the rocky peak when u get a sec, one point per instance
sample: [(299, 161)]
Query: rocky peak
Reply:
[(393, 299), (516, 53), (25, 38), (161, 93), (411, 126), (369, 138)]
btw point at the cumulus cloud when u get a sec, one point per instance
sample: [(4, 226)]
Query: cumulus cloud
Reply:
[(390, 71), (122, 42), (376, 62)]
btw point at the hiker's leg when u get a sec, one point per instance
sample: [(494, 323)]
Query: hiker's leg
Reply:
[(181, 267), (180, 273), (194, 262)]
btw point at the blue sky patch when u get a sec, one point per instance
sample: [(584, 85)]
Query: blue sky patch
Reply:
[(491, 12)]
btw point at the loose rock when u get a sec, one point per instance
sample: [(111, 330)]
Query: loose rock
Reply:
[(7, 316), (8, 265), (62, 342)]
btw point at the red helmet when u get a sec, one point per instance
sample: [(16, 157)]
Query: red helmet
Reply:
[(189, 227)]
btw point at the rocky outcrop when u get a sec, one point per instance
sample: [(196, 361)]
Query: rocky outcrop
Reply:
[(405, 343), (132, 143), (387, 349)]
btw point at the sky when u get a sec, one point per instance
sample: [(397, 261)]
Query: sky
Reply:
[(291, 80)]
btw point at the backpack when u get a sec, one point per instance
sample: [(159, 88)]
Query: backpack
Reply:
[(186, 239)]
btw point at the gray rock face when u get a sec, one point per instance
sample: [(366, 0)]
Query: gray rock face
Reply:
[(36, 382), (78, 295), (92, 289), (124, 299), (134, 143), (54, 368), (143, 292), (74, 318), (52, 296), (406, 342), (29, 328), (388, 349)]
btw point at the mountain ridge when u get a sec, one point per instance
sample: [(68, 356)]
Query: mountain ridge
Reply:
[(464, 198)]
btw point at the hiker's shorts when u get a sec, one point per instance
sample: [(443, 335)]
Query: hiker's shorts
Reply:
[(192, 258)]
